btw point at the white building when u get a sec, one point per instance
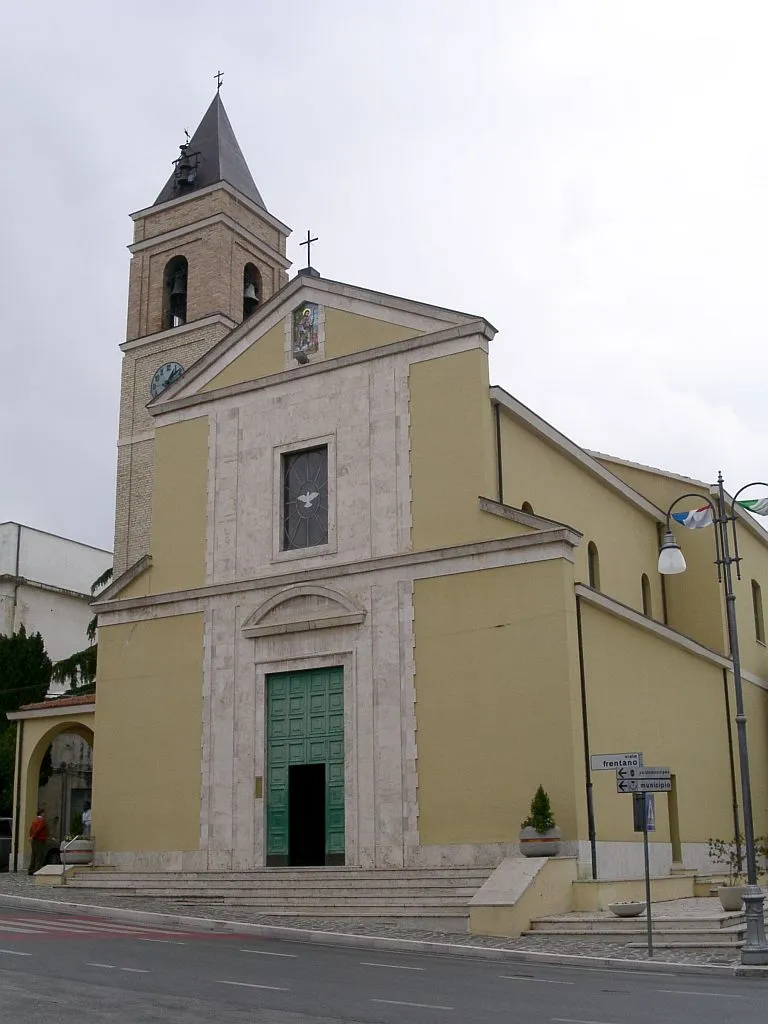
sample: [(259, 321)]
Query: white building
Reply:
[(45, 585)]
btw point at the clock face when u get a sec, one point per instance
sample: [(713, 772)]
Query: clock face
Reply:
[(165, 375)]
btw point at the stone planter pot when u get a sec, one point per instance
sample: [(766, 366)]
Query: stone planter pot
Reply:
[(627, 909), (731, 896), (540, 844), (76, 851)]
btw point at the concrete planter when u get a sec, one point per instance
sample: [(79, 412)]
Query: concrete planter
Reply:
[(76, 851), (540, 844), (731, 896), (627, 909)]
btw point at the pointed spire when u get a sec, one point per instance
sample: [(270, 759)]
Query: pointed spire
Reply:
[(215, 155)]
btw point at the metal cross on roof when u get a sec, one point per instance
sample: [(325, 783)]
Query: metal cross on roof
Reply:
[(219, 76), (308, 244)]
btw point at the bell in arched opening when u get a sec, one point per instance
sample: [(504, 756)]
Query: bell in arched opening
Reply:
[(175, 292), (251, 289)]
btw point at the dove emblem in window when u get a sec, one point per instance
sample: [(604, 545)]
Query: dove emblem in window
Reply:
[(307, 498)]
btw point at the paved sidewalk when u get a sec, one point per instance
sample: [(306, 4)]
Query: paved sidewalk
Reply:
[(19, 885)]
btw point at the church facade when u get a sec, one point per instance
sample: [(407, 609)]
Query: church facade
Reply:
[(365, 602)]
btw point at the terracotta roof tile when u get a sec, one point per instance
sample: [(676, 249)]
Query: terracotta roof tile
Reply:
[(60, 702)]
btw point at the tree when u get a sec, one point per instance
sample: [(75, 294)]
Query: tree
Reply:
[(25, 675), (79, 669)]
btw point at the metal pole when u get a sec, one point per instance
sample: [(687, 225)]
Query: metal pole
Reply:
[(649, 928), (591, 829), (755, 949)]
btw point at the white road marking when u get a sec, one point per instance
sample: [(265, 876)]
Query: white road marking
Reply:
[(248, 984), (14, 952), (136, 970), (12, 929), (544, 981), (621, 970), (690, 992), (395, 967), (170, 942), (264, 952), (421, 1006), (576, 1020), (107, 967)]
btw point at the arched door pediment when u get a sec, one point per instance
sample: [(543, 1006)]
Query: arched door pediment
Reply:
[(301, 608)]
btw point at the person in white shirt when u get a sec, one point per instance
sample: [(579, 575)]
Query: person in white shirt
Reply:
[(87, 820)]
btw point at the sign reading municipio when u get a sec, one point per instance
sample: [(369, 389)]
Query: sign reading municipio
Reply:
[(612, 762)]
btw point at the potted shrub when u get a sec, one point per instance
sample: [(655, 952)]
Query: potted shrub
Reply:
[(732, 854), (539, 836)]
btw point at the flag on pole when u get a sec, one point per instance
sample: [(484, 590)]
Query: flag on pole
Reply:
[(696, 519), (757, 505)]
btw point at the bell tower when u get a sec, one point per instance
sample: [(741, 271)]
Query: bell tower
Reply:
[(205, 256)]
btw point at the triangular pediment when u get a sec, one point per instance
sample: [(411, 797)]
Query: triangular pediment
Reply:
[(302, 608), (343, 320)]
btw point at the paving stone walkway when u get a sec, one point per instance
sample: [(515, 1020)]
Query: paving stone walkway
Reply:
[(581, 945)]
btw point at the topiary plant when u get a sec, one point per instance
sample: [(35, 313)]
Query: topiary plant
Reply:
[(540, 816)]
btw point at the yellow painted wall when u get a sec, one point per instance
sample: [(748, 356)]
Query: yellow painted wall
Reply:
[(625, 536), (265, 356), (147, 765), (452, 452), (647, 694), (346, 333), (497, 706), (179, 508)]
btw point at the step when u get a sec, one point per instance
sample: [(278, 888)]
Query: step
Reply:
[(380, 913), (584, 924), (724, 936), (440, 895), (281, 884), (341, 874), (254, 900)]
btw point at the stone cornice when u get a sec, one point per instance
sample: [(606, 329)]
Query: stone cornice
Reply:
[(558, 540), (206, 222), (225, 187), (122, 581), (516, 515), (53, 712), (22, 581), (174, 333), (166, 402)]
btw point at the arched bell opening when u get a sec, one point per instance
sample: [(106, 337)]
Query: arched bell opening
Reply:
[(175, 292), (251, 289)]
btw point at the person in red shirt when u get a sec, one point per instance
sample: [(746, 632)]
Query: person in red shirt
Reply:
[(38, 834)]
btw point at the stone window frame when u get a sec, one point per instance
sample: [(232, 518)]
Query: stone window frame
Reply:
[(278, 451)]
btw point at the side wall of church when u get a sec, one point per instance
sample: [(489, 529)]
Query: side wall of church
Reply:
[(626, 537)]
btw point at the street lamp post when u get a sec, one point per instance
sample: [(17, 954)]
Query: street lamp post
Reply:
[(671, 562)]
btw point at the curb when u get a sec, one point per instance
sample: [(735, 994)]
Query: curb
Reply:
[(307, 935)]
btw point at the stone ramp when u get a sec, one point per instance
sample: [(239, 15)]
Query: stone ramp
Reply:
[(693, 923), (415, 897)]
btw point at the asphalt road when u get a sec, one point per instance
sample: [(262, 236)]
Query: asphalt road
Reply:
[(56, 967)]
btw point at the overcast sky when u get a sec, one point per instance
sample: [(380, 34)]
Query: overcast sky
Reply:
[(589, 176)]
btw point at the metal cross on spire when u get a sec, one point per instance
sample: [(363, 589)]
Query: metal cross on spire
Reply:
[(308, 244), (219, 76)]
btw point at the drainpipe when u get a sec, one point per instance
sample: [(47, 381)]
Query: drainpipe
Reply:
[(585, 729), (17, 808), (499, 465)]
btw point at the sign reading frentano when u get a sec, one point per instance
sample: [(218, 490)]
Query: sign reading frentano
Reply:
[(612, 762)]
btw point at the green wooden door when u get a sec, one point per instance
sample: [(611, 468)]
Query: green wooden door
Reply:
[(305, 725)]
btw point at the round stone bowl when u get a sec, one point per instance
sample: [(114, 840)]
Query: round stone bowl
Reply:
[(627, 909)]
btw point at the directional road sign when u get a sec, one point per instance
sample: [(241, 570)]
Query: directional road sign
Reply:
[(612, 762), (643, 785), (646, 772)]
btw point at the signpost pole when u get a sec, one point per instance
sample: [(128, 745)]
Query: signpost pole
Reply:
[(647, 878)]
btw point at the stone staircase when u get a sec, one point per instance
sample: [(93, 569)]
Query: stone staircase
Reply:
[(429, 898), (709, 928)]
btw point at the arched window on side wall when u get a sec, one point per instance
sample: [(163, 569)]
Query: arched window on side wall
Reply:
[(757, 607), (593, 565), (645, 584), (175, 292), (527, 507), (251, 289)]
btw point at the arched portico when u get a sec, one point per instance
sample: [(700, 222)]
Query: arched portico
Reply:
[(38, 725)]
